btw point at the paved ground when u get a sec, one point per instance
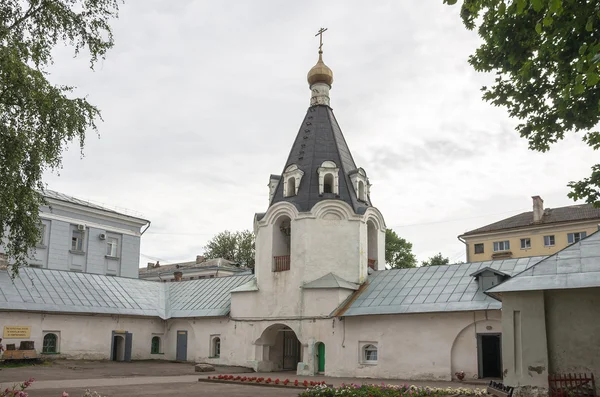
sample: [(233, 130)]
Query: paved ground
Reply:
[(72, 369), (159, 378), (176, 389)]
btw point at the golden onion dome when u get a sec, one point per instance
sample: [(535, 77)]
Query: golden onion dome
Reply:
[(320, 73)]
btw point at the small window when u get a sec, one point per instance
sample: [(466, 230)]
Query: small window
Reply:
[(501, 246), (361, 190), (525, 243), (211, 276), (328, 184), (192, 277), (155, 348), (548, 241), (50, 343), (291, 187), (112, 247), (370, 354), (575, 237), (77, 241), (216, 347), (479, 248)]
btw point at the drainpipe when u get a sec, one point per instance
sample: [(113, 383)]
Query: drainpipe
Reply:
[(466, 248), (147, 227)]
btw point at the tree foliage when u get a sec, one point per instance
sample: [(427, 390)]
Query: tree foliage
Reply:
[(398, 251), (234, 246), (546, 57), (436, 260), (38, 119)]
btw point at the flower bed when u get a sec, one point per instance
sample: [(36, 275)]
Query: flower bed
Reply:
[(384, 390), (266, 381), (18, 390)]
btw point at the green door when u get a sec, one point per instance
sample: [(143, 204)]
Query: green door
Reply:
[(321, 355)]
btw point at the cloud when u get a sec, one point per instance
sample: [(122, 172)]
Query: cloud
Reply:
[(202, 101)]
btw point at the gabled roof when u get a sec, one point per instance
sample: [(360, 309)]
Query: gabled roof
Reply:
[(489, 269), (576, 266), (330, 280), (53, 195), (320, 139), (431, 289), (250, 286), (71, 292), (214, 263), (571, 213)]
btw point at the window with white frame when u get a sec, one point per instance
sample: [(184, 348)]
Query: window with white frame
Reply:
[(215, 346), (369, 353), (548, 241), (112, 247), (575, 237), (525, 243), (329, 178), (51, 342), (501, 246), (361, 184), (77, 240), (291, 180)]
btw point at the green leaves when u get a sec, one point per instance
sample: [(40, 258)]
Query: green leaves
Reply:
[(238, 247), (398, 251), (38, 119), (436, 260)]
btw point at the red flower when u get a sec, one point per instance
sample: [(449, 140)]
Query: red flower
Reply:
[(277, 381), (305, 383), (296, 382), (285, 382)]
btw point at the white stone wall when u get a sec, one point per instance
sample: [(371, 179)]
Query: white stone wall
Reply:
[(573, 327), (410, 346), (86, 336)]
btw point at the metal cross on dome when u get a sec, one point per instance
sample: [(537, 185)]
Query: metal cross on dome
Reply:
[(320, 34)]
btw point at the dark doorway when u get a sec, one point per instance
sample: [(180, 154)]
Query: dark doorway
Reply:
[(121, 346), (489, 348), (291, 350), (181, 354)]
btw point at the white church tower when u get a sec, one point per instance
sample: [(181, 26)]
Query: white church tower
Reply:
[(320, 235)]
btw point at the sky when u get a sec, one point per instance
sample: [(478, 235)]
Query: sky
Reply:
[(201, 102)]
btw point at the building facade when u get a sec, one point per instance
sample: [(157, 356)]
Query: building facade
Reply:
[(540, 232), (199, 269), (320, 300), (82, 237)]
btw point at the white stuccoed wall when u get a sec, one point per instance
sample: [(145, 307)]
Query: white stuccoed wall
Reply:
[(411, 346), (86, 336), (329, 239)]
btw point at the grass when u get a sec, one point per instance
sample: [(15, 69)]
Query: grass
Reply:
[(23, 363)]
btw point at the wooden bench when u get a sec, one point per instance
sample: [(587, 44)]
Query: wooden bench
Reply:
[(576, 385)]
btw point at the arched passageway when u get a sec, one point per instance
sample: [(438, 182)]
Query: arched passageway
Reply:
[(278, 349)]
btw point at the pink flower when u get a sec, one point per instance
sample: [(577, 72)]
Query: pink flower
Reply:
[(65, 394)]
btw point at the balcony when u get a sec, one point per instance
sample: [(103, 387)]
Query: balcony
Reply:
[(281, 263), (371, 263)]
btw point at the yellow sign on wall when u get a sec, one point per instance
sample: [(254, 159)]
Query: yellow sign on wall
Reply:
[(17, 332)]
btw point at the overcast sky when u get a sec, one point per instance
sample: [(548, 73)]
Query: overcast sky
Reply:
[(202, 100)]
